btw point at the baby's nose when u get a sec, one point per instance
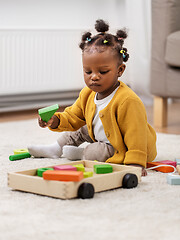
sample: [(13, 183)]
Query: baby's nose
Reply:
[(94, 77)]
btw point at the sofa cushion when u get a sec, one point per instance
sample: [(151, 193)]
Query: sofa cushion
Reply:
[(172, 53)]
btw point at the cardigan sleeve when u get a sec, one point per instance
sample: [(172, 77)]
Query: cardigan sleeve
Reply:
[(133, 126), (72, 118)]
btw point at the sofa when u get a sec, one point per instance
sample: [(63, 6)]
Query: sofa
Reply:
[(165, 57)]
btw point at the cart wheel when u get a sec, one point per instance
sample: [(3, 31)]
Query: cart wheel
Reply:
[(86, 190), (129, 181)]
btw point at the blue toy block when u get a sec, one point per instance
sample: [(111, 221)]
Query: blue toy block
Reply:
[(173, 179), (178, 161)]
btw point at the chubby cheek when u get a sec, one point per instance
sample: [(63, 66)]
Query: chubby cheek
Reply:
[(86, 79)]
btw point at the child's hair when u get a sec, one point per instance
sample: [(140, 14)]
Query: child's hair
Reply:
[(106, 40)]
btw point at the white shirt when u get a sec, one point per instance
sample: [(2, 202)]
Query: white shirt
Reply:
[(98, 129)]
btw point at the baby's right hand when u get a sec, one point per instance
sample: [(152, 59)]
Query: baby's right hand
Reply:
[(44, 124), (52, 123)]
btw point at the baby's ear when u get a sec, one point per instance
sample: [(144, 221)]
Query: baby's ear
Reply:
[(121, 69)]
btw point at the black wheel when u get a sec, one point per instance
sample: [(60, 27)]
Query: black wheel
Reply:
[(86, 190), (129, 181)]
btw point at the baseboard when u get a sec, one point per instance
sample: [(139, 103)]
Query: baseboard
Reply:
[(20, 102)]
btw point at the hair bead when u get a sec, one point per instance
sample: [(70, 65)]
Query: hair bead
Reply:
[(88, 39)]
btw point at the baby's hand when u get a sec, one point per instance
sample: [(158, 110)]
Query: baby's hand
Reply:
[(44, 124), (144, 172), (53, 122)]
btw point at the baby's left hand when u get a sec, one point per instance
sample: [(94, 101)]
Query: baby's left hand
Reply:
[(144, 172)]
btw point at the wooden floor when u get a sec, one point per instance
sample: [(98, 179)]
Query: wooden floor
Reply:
[(172, 128)]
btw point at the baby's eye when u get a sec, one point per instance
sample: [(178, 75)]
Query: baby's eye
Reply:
[(104, 72), (88, 72)]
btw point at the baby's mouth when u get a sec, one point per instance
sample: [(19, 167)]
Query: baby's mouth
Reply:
[(95, 84)]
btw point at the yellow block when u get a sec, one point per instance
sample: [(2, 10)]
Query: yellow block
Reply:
[(87, 174), (19, 151), (80, 167)]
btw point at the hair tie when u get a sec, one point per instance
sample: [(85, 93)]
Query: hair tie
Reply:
[(123, 53), (105, 41), (88, 39)]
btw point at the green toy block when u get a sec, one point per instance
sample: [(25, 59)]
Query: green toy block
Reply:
[(173, 179), (19, 156), (80, 167), (87, 174), (47, 112), (41, 170), (103, 168), (178, 161)]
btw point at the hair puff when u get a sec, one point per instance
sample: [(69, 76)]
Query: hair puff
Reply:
[(101, 26), (86, 35)]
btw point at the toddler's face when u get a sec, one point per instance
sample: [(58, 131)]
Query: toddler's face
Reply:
[(101, 71)]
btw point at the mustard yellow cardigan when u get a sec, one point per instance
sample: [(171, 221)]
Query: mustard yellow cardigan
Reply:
[(124, 120)]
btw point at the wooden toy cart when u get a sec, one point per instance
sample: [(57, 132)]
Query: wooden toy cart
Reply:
[(122, 176)]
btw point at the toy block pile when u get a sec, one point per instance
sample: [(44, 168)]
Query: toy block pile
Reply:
[(19, 154), (45, 114), (174, 178), (74, 173)]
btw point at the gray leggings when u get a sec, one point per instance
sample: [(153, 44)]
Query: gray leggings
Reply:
[(94, 151)]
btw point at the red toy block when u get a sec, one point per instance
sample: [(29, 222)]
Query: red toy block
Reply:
[(64, 175), (164, 169), (173, 163)]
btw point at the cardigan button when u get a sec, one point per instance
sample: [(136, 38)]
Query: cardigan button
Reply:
[(101, 115)]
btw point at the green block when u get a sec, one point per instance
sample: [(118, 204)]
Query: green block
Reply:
[(173, 179), (41, 170), (103, 168), (87, 174), (47, 112), (80, 167), (19, 156)]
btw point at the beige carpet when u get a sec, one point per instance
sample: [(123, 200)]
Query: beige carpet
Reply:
[(150, 211)]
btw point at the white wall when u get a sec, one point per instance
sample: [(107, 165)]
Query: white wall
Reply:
[(60, 13), (81, 14)]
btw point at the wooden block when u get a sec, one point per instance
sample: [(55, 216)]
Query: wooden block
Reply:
[(79, 167), (173, 179), (64, 175), (178, 168), (168, 162), (65, 167), (165, 169), (19, 156), (103, 168), (40, 171), (47, 112), (87, 174)]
